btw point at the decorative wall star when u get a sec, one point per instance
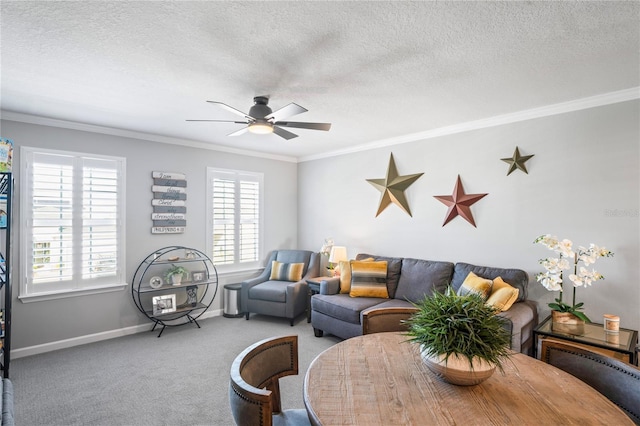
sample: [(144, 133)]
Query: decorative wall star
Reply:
[(517, 161), (459, 203), (392, 188)]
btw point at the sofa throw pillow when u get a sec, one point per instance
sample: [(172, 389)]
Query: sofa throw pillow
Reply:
[(369, 279), (345, 275), (475, 284), (502, 295), (286, 271)]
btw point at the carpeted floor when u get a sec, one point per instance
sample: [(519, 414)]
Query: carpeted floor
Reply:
[(181, 378)]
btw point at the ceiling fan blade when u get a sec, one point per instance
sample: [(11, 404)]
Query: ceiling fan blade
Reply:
[(239, 132), (223, 121), (284, 133), (232, 110), (286, 111), (299, 125)]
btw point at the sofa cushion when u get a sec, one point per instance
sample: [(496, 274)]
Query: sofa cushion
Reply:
[(286, 271), (369, 279), (420, 278), (272, 291), (502, 295), (515, 277), (474, 284), (342, 306), (394, 264)]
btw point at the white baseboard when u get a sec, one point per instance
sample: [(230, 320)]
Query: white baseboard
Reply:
[(90, 338)]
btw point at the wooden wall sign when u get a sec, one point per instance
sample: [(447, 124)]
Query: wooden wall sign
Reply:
[(169, 203)]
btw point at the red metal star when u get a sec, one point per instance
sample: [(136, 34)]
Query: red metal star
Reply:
[(459, 203)]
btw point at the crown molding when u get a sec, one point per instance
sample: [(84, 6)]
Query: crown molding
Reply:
[(52, 122), (499, 120)]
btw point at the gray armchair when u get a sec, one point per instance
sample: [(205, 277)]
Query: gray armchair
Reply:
[(280, 298)]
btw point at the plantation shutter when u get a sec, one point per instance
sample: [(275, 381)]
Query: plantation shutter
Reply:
[(73, 209), (236, 202)]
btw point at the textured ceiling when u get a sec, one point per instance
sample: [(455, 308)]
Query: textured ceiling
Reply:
[(376, 70)]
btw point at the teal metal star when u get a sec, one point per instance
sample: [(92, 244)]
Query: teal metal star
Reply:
[(517, 161), (392, 188)]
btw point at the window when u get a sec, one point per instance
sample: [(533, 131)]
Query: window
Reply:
[(72, 222), (235, 230)]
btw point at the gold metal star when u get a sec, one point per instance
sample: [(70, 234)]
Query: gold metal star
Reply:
[(517, 161), (392, 188), (459, 203)]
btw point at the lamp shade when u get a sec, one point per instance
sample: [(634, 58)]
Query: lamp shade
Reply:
[(337, 254)]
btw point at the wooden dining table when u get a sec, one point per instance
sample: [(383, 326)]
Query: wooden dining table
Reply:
[(380, 379)]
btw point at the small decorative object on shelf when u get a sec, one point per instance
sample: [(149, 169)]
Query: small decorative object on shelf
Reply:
[(155, 282), (192, 295), (461, 338), (177, 304), (552, 279)]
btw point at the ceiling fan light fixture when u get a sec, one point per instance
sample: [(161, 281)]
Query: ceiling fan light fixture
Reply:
[(260, 128)]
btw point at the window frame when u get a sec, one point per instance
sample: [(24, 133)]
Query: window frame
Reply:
[(76, 286), (237, 175)]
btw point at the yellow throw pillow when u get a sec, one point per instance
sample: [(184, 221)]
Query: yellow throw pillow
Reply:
[(345, 274), (475, 284), (369, 279), (286, 271), (502, 295)]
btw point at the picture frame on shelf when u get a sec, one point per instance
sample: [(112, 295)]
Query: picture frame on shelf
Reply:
[(199, 276), (164, 304)]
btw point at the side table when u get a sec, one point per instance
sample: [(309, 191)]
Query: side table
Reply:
[(313, 285), (621, 346)]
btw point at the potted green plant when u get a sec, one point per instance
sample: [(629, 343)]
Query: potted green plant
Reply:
[(175, 274), (461, 339)]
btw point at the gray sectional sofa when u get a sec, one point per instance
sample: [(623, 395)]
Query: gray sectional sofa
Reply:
[(409, 280)]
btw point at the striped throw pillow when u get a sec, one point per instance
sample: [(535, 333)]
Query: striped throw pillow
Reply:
[(475, 284), (369, 279), (345, 275), (286, 271)]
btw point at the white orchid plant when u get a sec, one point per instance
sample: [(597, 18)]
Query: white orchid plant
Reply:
[(552, 279), (326, 246), (326, 251)]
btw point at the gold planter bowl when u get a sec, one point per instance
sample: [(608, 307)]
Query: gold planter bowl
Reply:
[(567, 323), (457, 370)]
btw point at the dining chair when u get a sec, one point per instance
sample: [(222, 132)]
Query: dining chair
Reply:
[(254, 387), (617, 380), (386, 319)]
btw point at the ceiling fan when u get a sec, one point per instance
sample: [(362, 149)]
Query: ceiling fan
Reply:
[(262, 120)]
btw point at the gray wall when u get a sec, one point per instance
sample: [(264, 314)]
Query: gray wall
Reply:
[(41, 322), (583, 184)]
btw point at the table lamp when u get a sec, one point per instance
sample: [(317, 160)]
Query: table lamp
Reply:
[(337, 254)]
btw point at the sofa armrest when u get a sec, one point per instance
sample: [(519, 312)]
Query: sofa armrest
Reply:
[(386, 319), (330, 286)]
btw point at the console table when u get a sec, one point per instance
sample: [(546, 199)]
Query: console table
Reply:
[(621, 345), (380, 379), (313, 284)]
